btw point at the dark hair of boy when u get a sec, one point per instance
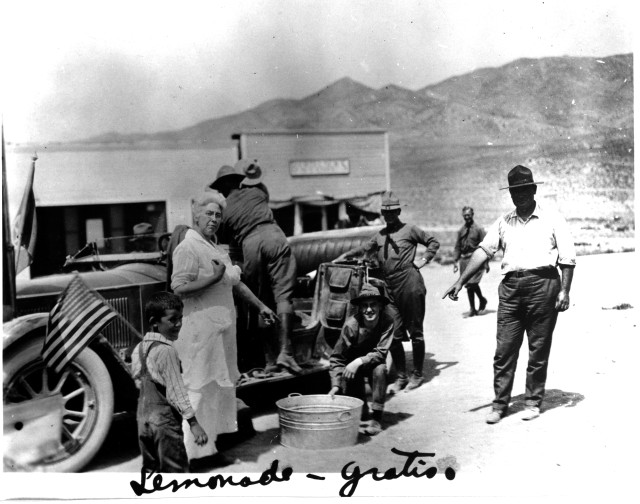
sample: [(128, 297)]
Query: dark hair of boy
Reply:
[(159, 303)]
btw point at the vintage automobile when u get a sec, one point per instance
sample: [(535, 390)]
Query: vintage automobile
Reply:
[(98, 385)]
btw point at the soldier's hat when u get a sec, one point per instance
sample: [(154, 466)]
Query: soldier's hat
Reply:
[(368, 293), (520, 176), (226, 172), (252, 171), (389, 201)]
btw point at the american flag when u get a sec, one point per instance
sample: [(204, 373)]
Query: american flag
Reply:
[(78, 316)]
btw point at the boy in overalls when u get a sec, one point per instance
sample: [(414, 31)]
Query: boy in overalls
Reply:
[(163, 401)]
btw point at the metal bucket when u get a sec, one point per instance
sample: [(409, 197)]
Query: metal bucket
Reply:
[(316, 422)]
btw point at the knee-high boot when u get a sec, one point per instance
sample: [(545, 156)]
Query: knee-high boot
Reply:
[(400, 362), (418, 356), (286, 358), (472, 304), (397, 354), (271, 348)]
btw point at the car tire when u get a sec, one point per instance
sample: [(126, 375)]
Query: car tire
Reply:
[(87, 391)]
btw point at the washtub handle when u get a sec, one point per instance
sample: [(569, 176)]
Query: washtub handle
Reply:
[(344, 416)]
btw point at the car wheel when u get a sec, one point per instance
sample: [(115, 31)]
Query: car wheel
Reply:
[(87, 394)]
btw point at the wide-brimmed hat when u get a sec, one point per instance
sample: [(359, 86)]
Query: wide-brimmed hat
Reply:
[(142, 228), (226, 172), (520, 176), (252, 171), (389, 201), (370, 293)]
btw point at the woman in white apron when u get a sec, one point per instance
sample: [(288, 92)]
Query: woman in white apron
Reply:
[(204, 277)]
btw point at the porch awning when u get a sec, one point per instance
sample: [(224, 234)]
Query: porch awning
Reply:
[(369, 203)]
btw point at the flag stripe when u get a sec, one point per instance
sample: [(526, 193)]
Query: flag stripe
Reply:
[(77, 345), (71, 337), (61, 322), (70, 327), (75, 339), (67, 327), (78, 316)]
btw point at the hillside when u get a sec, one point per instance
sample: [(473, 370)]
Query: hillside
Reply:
[(527, 99), (452, 143)]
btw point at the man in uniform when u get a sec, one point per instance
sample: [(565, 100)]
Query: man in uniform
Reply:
[(361, 351), (469, 237), (395, 249), (535, 241), (269, 266)]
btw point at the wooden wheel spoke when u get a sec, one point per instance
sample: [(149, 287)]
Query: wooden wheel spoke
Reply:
[(73, 394), (27, 387), (66, 433), (76, 414), (61, 381)]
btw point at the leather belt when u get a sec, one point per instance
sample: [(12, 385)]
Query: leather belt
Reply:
[(545, 272)]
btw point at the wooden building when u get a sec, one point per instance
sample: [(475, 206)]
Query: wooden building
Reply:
[(320, 180), (317, 180)]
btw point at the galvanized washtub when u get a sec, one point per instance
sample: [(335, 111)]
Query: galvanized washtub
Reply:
[(317, 422)]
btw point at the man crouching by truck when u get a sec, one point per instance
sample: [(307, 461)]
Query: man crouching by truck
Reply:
[(361, 351)]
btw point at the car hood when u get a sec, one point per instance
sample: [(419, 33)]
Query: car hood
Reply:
[(127, 274)]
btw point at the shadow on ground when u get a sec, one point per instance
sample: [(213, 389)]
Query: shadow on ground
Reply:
[(553, 398), (481, 314), (430, 369)]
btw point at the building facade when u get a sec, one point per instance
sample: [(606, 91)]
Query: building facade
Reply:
[(320, 180)]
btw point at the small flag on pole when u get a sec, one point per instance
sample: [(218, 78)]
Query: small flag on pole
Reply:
[(25, 224), (78, 316)]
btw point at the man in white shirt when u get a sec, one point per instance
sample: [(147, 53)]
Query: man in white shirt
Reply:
[(535, 241)]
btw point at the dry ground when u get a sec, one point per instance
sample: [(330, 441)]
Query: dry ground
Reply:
[(584, 444)]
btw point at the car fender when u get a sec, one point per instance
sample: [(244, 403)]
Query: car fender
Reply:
[(21, 328)]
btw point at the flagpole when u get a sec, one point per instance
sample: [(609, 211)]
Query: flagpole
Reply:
[(24, 210), (8, 251)]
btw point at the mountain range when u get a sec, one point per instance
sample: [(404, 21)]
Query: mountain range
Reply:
[(545, 99)]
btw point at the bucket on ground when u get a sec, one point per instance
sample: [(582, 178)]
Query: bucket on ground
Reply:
[(316, 422)]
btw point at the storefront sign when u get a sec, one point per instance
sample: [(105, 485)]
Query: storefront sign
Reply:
[(319, 167)]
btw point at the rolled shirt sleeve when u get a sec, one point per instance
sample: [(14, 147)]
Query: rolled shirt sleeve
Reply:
[(564, 242), (232, 273), (491, 241)]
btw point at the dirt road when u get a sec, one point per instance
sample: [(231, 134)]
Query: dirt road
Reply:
[(583, 443)]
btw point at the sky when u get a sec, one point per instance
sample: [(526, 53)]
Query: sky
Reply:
[(75, 69)]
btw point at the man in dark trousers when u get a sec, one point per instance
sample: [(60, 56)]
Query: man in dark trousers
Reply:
[(269, 266), (535, 241), (469, 237), (395, 249)]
